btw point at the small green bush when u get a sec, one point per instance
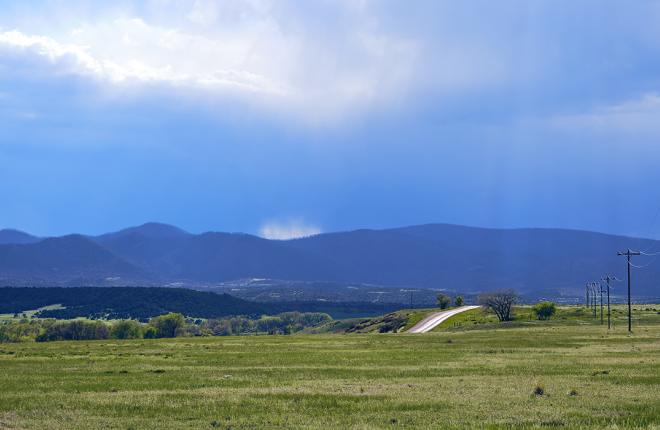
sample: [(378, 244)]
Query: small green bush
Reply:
[(544, 310), (539, 390), (150, 333)]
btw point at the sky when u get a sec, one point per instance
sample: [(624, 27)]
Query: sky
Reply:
[(289, 118)]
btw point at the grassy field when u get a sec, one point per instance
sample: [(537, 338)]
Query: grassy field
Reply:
[(27, 314), (477, 378), (566, 315)]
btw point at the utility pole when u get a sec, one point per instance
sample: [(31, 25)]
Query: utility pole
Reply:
[(594, 296), (608, 279), (629, 254), (600, 290), (587, 298)]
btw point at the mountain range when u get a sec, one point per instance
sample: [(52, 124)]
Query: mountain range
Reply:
[(442, 256)]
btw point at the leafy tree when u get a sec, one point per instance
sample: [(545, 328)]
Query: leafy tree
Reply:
[(75, 330), (150, 333), (19, 331), (443, 300), (126, 329), (270, 325), (500, 302), (168, 325), (459, 301), (544, 310)]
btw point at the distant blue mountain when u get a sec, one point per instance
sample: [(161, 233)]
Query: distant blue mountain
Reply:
[(66, 259), (149, 230), (430, 256), (8, 236)]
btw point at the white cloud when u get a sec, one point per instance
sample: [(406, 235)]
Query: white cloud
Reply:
[(287, 230), (639, 116), (77, 58), (242, 49)]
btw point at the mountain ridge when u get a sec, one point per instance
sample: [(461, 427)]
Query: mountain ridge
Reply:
[(460, 258)]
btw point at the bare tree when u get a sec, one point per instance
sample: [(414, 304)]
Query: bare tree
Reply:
[(499, 302)]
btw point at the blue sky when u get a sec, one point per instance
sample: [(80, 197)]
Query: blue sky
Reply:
[(285, 118)]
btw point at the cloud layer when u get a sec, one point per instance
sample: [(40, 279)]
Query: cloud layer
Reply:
[(261, 52), (287, 230), (218, 115), (328, 61)]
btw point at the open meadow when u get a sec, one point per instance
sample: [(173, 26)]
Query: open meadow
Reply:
[(550, 375)]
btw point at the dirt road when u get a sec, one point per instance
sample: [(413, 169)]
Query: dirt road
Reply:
[(433, 320)]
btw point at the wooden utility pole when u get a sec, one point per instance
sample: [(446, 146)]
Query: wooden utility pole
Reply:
[(629, 254), (600, 291), (587, 301), (609, 279), (594, 296)]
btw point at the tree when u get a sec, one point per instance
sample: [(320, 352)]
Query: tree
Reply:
[(74, 330), (150, 333), (459, 301), (168, 325), (126, 329), (544, 310), (500, 303), (443, 300)]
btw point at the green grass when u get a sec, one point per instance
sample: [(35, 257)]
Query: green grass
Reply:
[(28, 314), (477, 378), (410, 317), (415, 316), (523, 316)]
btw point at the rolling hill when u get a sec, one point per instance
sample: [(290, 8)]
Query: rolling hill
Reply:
[(70, 259), (465, 259), (124, 302), (8, 236)]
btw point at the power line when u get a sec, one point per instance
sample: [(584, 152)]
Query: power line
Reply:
[(648, 232), (644, 266)]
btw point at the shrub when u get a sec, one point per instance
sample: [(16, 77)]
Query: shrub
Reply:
[(443, 300), (75, 330), (392, 323), (126, 329), (544, 310), (459, 301), (19, 331), (539, 390), (168, 325), (150, 333)]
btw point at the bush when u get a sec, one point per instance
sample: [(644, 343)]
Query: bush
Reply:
[(168, 325), (126, 329), (19, 331), (150, 333), (539, 390), (544, 310), (459, 301), (443, 300), (75, 330)]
